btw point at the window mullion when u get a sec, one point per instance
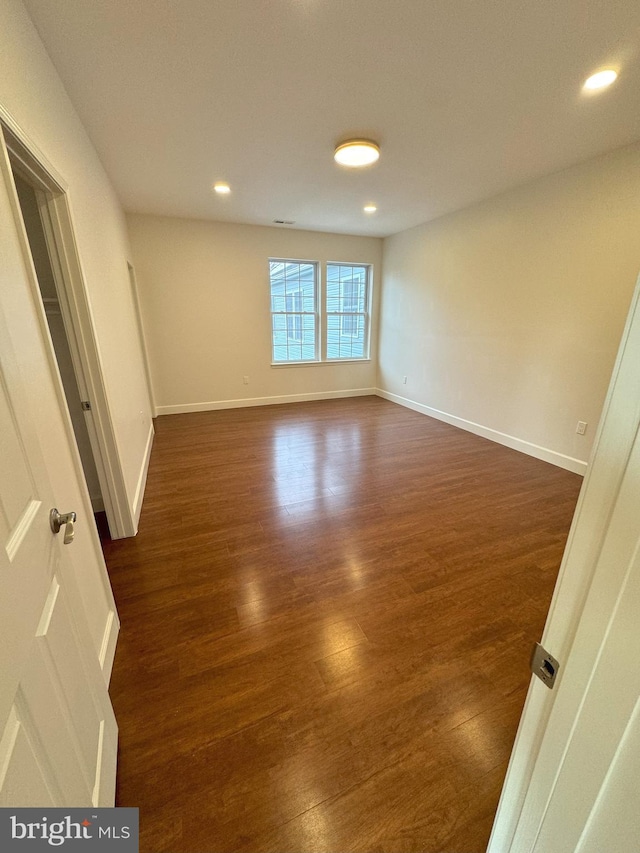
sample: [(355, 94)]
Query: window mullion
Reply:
[(321, 306)]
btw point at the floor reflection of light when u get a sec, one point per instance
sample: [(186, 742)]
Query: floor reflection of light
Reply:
[(477, 742), (354, 567), (351, 659), (340, 636), (302, 790), (308, 461), (315, 828), (252, 592), (255, 608)]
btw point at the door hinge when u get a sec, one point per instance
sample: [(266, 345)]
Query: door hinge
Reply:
[(544, 665), (86, 406)]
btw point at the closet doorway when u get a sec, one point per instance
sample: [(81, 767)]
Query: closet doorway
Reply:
[(43, 207), (60, 338)]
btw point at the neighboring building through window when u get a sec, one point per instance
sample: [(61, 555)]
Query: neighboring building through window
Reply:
[(298, 322), (294, 310), (347, 311)]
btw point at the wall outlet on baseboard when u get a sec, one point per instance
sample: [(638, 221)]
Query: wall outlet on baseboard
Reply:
[(245, 379), (581, 428), (404, 380)]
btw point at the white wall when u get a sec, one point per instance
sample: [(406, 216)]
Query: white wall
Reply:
[(204, 291), (508, 314), (33, 95)]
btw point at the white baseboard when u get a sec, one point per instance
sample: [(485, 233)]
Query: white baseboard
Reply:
[(559, 459), (215, 405), (142, 479)]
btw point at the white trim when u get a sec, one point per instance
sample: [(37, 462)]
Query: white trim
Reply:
[(133, 281), (99, 419), (53, 218), (182, 408), (36, 152), (544, 453), (142, 479), (280, 364)]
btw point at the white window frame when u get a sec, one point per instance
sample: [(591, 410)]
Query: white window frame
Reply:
[(321, 314), (291, 316), (365, 315)]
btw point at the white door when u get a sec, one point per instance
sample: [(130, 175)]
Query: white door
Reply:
[(593, 803), (58, 734), (572, 782)]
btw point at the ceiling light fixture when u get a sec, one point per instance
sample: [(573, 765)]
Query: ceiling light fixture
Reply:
[(222, 188), (369, 208), (600, 80), (357, 152)]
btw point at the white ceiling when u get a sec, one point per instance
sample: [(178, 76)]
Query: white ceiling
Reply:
[(466, 98)]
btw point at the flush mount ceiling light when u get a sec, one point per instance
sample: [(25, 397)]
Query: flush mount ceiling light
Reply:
[(357, 152), (222, 188), (369, 208), (600, 80)]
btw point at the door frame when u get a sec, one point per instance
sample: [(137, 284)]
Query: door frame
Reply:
[(57, 219), (143, 336), (522, 803)]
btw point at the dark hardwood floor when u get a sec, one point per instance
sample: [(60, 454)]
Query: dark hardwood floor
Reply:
[(326, 618)]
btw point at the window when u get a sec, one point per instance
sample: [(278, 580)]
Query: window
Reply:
[(297, 322), (293, 302), (347, 311), (294, 311)]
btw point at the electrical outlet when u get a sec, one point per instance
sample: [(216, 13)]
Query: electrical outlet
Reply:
[(581, 428), (404, 380), (245, 379)]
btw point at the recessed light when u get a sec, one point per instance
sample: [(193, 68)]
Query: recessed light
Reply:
[(222, 188), (369, 208), (357, 152), (600, 80)]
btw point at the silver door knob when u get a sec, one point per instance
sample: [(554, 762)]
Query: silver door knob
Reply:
[(57, 519)]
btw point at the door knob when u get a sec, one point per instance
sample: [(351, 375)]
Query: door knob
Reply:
[(56, 520)]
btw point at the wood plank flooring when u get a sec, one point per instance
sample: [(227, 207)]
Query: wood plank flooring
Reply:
[(326, 618)]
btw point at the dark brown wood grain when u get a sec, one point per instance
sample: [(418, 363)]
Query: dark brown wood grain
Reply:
[(326, 622)]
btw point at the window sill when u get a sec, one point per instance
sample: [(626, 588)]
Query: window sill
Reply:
[(320, 363)]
